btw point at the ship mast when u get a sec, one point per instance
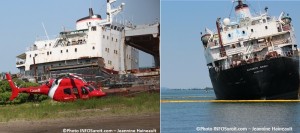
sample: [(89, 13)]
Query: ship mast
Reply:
[(222, 49), (240, 3), (111, 12)]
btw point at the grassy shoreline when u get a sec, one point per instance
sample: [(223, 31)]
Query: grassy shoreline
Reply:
[(106, 106)]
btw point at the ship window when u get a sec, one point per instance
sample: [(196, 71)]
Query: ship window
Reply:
[(251, 30), (67, 50), (278, 29), (112, 39), (116, 40), (30, 55), (75, 49), (243, 32), (49, 44), (229, 35), (266, 27), (264, 21), (94, 28), (59, 64), (93, 47), (61, 51), (107, 37), (103, 36), (45, 45), (47, 53)]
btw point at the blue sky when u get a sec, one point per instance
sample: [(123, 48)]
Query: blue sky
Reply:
[(21, 22), (182, 58)]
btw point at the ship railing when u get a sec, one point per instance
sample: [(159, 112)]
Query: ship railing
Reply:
[(79, 42), (254, 21), (260, 46), (281, 41), (75, 32), (20, 62), (212, 44), (257, 48), (235, 51)]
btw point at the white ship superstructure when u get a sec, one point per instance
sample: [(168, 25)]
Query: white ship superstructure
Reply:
[(253, 57), (248, 38), (95, 42)]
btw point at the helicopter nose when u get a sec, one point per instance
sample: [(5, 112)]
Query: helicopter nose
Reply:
[(98, 94), (102, 93)]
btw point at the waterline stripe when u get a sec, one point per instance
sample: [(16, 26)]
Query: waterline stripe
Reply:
[(227, 101), (190, 97)]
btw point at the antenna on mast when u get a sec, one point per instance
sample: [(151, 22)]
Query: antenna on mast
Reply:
[(45, 31), (90, 3)]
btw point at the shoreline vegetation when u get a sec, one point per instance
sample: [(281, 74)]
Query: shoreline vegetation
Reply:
[(143, 103)]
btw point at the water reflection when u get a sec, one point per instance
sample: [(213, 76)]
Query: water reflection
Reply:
[(254, 115)]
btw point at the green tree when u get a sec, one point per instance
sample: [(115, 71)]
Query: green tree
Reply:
[(5, 92)]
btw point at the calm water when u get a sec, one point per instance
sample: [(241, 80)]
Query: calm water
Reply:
[(186, 117)]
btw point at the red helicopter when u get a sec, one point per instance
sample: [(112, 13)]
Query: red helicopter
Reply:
[(68, 87)]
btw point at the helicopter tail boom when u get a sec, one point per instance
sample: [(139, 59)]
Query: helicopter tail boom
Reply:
[(15, 90)]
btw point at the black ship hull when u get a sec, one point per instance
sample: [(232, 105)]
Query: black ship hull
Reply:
[(276, 78)]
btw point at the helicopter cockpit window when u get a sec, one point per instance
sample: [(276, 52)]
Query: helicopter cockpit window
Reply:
[(84, 91), (47, 83), (91, 88), (67, 91), (75, 91)]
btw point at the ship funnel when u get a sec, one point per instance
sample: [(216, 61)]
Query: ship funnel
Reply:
[(242, 10), (91, 12)]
